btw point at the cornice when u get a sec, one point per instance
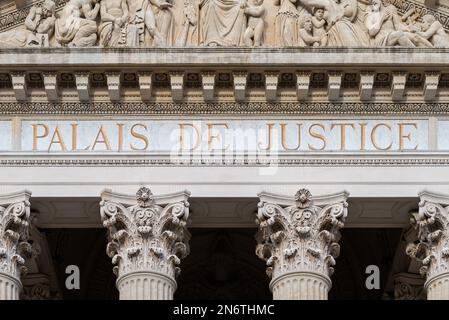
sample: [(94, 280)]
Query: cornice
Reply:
[(221, 57)]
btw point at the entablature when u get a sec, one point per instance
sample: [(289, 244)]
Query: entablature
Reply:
[(231, 75)]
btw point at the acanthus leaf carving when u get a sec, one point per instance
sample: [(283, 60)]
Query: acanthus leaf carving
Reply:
[(298, 235), (146, 236), (432, 246), (14, 234)]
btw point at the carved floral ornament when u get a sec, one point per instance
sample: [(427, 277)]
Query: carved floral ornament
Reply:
[(14, 234), (237, 23), (146, 236), (432, 247), (302, 237)]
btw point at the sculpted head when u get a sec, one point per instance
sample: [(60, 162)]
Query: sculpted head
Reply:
[(427, 21), (257, 2), (48, 8), (318, 13), (306, 23), (376, 5)]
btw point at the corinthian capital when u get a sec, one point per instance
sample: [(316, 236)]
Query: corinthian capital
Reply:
[(14, 233), (432, 248), (147, 233), (300, 234)]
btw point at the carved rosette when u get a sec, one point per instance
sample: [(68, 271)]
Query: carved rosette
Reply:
[(298, 239), (14, 248), (432, 247), (146, 238)]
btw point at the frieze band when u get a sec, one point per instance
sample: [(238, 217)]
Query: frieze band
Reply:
[(225, 108), (158, 23)]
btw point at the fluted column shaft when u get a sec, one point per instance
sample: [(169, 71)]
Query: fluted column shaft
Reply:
[(10, 287), (146, 286), (148, 238), (432, 250), (438, 287), (14, 248), (298, 238), (300, 286)]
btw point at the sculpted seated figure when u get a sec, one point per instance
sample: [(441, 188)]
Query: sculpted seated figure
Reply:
[(433, 31), (76, 26), (39, 28), (223, 22), (114, 17), (386, 28)]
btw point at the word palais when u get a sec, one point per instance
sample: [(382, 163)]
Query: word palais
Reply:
[(224, 149)]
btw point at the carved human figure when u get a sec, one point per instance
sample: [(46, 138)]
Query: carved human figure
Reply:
[(306, 36), (114, 18), (340, 18), (319, 25), (39, 28), (255, 26), (189, 24), (164, 21), (286, 23), (433, 31), (223, 22), (141, 18), (386, 28), (76, 26)]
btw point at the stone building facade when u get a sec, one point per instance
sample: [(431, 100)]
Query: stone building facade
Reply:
[(300, 122)]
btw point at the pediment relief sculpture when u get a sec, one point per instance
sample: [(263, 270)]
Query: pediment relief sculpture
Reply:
[(229, 23)]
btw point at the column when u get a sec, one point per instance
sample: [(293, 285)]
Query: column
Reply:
[(298, 238), (432, 247), (14, 248), (147, 240)]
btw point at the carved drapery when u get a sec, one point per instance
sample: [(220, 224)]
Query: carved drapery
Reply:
[(432, 247), (298, 238), (14, 248), (117, 23), (147, 240)]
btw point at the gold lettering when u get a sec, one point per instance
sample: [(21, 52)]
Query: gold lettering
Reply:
[(60, 141), (120, 136), (212, 137), (181, 136), (105, 139), (74, 136), (373, 136), (362, 135), (402, 136), (342, 133), (283, 136), (139, 136), (35, 134), (317, 135), (268, 147)]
